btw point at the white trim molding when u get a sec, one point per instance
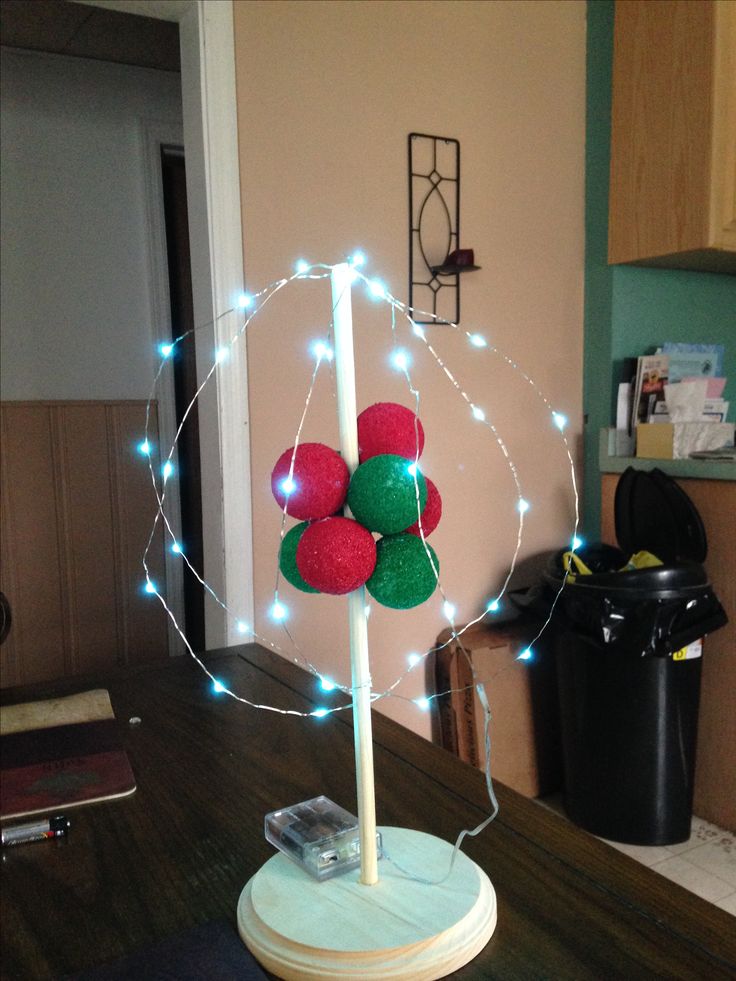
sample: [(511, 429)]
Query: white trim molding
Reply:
[(208, 91)]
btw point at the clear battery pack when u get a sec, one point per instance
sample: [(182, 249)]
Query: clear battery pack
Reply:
[(318, 835)]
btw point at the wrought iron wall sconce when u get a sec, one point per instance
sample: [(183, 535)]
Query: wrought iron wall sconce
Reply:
[(435, 257)]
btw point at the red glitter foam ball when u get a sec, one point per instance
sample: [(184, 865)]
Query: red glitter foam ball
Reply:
[(432, 511), (336, 555), (320, 481), (387, 427)]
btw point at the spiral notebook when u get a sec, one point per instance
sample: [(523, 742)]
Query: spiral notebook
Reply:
[(60, 753)]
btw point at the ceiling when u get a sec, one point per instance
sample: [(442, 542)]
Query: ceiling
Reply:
[(82, 31)]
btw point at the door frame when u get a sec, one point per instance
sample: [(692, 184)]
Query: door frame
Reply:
[(206, 39), (154, 133)]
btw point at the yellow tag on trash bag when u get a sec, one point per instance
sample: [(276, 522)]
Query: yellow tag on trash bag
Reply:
[(574, 566)]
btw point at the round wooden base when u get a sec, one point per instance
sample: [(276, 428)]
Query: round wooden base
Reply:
[(398, 929)]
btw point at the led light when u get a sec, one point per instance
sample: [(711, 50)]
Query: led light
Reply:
[(577, 543), (405, 361), (400, 360), (279, 611), (322, 350), (222, 354)]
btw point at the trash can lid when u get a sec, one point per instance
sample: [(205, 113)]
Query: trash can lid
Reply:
[(654, 513), (683, 579)]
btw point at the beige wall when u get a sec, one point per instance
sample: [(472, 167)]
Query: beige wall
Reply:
[(327, 93)]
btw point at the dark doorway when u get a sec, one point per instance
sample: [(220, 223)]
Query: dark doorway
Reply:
[(173, 171)]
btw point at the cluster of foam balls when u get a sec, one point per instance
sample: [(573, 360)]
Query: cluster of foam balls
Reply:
[(387, 496)]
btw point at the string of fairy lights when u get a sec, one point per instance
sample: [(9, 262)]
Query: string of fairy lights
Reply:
[(251, 304)]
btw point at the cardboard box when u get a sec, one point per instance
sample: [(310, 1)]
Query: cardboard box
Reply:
[(525, 733), (677, 440)]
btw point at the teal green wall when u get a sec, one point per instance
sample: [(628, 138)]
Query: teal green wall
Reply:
[(654, 305), (598, 317), (630, 310)]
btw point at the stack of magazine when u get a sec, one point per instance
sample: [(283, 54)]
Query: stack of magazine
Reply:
[(689, 375)]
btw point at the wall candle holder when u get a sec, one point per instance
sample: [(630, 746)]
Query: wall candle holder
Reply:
[(435, 257)]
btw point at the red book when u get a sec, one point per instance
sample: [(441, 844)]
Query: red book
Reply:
[(61, 753)]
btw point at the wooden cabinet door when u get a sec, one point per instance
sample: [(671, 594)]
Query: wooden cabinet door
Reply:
[(673, 135)]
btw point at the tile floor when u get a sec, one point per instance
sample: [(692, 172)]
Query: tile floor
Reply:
[(705, 863)]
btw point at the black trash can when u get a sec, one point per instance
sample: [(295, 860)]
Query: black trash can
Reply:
[(629, 654)]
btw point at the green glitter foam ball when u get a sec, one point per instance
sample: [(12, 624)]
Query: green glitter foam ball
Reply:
[(383, 496), (287, 558), (403, 576)]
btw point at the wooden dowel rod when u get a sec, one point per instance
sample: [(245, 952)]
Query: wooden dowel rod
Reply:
[(359, 661)]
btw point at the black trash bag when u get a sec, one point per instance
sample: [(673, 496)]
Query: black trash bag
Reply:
[(629, 667), (654, 611)]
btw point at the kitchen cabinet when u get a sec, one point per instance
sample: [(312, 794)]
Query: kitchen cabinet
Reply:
[(673, 135)]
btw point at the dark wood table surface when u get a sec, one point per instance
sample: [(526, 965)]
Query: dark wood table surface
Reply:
[(179, 851)]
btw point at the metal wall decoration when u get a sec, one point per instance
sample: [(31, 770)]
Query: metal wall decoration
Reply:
[(435, 257)]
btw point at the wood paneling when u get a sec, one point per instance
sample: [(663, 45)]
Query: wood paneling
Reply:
[(86, 517), (30, 550), (715, 768), (77, 510), (135, 513)]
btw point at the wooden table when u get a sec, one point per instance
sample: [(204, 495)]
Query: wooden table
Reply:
[(179, 851)]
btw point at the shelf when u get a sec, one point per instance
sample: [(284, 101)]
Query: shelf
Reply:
[(686, 469)]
